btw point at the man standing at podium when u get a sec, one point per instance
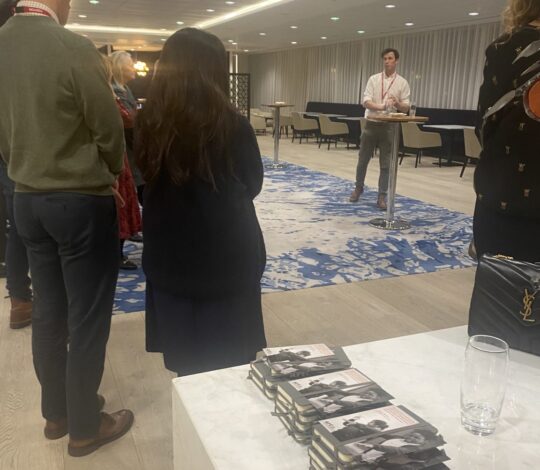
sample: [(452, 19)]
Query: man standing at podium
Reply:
[(386, 91)]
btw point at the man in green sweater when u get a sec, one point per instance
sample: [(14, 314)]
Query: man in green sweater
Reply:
[(62, 138)]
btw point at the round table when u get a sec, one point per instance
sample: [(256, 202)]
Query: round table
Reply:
[(390, 222), (277, 109)]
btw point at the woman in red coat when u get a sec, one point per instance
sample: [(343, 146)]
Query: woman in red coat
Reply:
[(129, 214)]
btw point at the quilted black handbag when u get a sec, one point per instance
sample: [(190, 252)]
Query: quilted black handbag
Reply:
[(506, 302)]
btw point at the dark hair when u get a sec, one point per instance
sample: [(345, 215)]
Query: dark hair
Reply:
[(379, 423), (390, 49), (6, 7), (188, 120)]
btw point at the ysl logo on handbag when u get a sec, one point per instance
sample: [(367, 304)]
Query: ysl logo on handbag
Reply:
[(528, 300)]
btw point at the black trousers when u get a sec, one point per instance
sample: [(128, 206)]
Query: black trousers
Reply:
[(17, 279), (72, 242)]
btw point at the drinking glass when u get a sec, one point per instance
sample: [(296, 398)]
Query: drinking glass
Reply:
[(484, 383), (412, 109)]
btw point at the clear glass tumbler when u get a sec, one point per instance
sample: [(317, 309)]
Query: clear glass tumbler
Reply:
[(412, 109), (484, 383)]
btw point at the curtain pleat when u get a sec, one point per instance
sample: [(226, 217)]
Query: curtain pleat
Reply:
[(443, 67)]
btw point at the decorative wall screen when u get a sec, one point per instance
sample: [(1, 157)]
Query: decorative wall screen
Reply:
[(240, 92)]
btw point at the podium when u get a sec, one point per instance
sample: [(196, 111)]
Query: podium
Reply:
[(390, 222), (277, 111)]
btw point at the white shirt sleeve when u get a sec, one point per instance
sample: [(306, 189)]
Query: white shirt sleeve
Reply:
[(369, 92), (405, 93)]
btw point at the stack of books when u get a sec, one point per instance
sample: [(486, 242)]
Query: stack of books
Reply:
[(384, 438), (278, 365), (301, 403)]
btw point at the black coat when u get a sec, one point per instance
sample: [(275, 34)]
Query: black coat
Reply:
[(200, 243), (507, 177)]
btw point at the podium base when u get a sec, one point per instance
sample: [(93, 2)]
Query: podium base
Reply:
[(396, 224)]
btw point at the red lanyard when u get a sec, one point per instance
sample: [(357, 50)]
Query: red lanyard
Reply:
[(384, 93), (34, 10)]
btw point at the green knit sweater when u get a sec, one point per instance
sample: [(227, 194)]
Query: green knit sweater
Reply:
[(60, 129)]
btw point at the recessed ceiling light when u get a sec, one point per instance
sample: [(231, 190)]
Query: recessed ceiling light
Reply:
[(82, 16), (335, 18), (238, 13), (230, 3), (210, 10), (234, 43), (324, 37), (474, 13), (163, 39), (294, 42), (294, 27), (246, 50), (93, 2), (262, 34), (179, 22), (361, 31), (231, 40), (390, 6), (409, 24)]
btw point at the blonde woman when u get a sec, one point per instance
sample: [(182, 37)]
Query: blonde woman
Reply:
[(123, 71), (507, 178)]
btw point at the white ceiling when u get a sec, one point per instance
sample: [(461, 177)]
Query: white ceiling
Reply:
[(312, 17)]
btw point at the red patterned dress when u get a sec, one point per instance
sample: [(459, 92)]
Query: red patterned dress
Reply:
[(129, 216)]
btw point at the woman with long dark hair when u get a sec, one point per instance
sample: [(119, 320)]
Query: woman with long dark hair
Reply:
[(507, 178), (204, 252)]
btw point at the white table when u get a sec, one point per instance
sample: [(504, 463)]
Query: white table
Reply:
[(451, 131), (322, 114), (448, 127), (390, 222), (275, 165), (221, 421)]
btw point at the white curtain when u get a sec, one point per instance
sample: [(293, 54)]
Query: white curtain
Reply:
[(443, 67)]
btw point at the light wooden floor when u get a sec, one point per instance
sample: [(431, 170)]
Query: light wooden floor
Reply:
[(339, 315)]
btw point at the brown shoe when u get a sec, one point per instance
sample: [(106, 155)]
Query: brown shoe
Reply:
[(113, 426), (20, 314), (381, 202), (355, 195), (57, 429)]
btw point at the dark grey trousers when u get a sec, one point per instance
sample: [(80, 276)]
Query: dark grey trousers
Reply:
[(376, 135), (72, 243)]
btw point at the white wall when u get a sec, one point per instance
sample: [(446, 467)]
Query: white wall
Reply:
[(443, 67)]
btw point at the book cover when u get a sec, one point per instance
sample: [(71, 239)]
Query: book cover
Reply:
[(332, 394), (426, 459), (337, 432), (297, 353), (389, 446), (289, 370)]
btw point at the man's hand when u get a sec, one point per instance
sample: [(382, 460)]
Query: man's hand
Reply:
[(119, 200)]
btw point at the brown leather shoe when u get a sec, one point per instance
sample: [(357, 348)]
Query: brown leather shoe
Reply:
[(355, 195), (113, 426), (57, 429), (20, 314), (381, 202)]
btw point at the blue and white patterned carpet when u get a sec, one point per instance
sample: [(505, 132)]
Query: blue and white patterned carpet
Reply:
[(315, 237)]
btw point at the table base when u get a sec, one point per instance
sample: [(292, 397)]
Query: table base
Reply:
[(448, 163), (396, 224), (276, 166)]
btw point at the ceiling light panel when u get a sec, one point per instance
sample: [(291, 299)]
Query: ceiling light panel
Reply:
[(243, 20)]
